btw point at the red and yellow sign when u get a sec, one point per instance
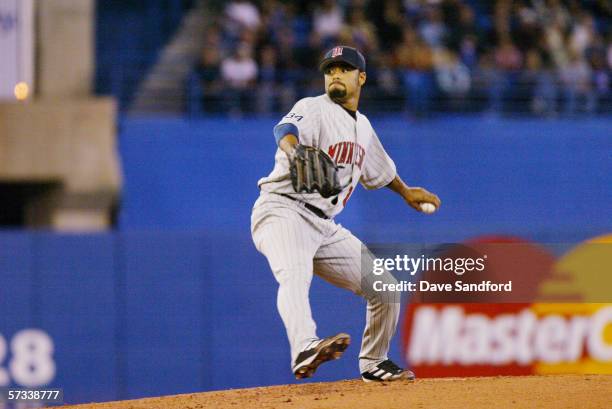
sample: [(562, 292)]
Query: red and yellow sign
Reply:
[(521, 339)]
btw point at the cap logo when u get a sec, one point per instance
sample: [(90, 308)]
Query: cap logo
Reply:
[(336, 51)]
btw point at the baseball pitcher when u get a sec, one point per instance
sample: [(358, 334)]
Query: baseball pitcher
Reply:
[(325, 147)]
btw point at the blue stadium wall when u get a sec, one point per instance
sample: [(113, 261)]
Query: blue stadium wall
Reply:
[(178, 300)]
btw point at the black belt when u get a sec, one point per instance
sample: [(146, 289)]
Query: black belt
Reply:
[(308, 206)]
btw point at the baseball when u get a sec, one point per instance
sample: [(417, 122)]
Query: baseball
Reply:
[(428, 208)]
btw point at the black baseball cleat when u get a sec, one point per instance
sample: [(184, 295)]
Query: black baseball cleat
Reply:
[(387, 371), (325, 350)]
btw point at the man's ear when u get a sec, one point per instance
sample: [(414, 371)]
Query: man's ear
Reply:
[(362, 78)]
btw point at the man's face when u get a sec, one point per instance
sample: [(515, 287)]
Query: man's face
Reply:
[(342, 81)]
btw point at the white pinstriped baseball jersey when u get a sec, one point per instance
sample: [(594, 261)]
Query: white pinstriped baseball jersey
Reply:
[(353, 143)]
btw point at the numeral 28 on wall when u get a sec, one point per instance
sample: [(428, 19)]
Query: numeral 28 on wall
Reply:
[(28, 359)]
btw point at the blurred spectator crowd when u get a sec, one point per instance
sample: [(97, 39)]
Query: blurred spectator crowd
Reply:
[(537, 57)]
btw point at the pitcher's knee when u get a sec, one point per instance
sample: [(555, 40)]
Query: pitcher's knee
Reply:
[(384, 291)]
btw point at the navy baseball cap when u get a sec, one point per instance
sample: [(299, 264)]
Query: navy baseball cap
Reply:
[(345, 54)]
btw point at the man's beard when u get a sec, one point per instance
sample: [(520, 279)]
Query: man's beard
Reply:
[(337, 94)]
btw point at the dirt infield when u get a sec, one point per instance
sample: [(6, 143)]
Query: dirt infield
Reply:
[(567, 391)]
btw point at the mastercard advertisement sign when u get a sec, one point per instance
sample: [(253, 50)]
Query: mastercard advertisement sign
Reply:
[(563, 330)]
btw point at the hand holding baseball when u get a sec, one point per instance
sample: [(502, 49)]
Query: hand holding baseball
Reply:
[(422, 200)]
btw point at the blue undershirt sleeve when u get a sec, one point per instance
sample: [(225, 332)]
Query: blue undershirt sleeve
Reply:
[(281, 130)]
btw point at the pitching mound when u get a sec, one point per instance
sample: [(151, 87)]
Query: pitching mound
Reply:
[(567, 391)]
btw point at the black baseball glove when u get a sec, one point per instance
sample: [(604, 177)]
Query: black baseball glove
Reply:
[(313, 169)]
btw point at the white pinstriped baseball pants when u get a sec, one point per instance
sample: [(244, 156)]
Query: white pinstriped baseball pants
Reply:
[(297, 243)]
